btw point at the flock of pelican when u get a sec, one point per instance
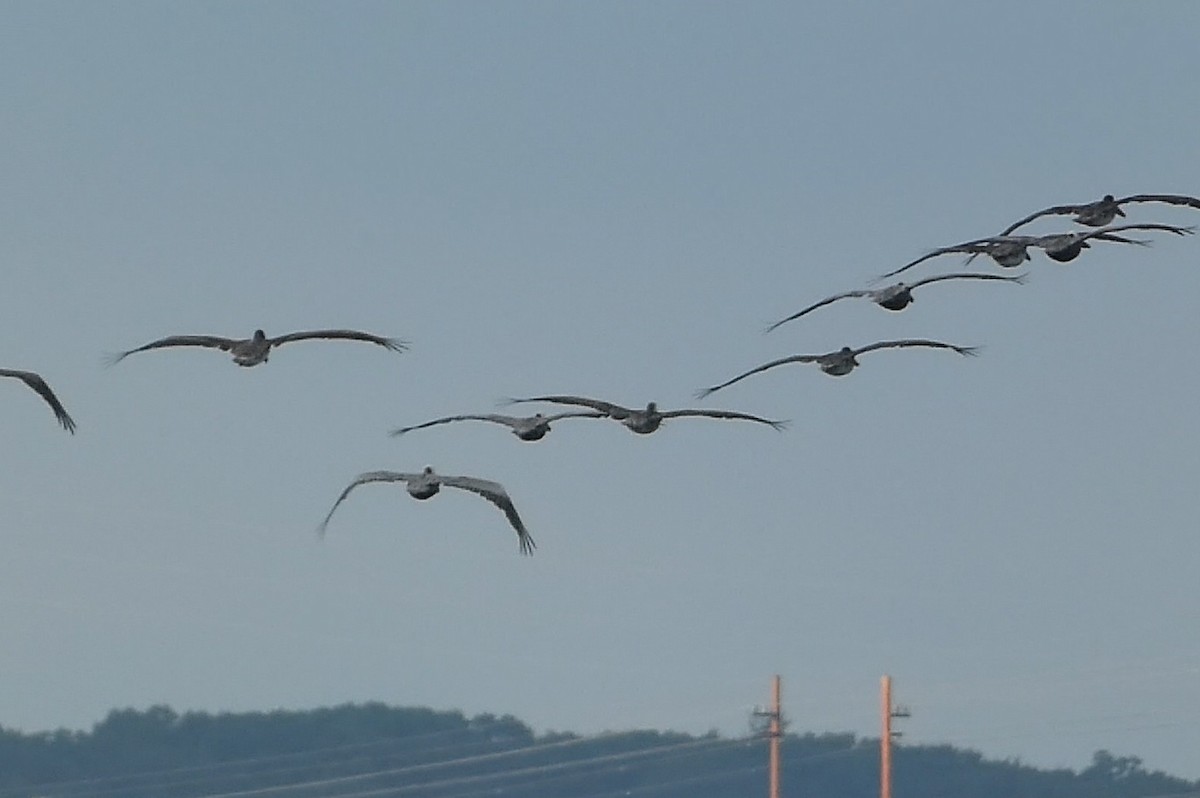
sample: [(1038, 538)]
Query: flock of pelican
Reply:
[(1006, 250)]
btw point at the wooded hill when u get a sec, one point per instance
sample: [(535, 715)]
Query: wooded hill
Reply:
[(376, 750)]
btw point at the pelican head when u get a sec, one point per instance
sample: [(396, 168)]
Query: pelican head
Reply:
[(651, 407), (259, 336), (1111, 201), (427, 488)]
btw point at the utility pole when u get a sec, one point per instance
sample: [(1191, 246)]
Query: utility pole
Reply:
[(887, 712), (774, 717)]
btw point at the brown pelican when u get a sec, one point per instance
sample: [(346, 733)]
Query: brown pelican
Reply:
[(527, 428), (35, 382), (1011, 251), (643, 422), (255, 350), (1104, 210), (841, 362), (426, 484), (897, 296)]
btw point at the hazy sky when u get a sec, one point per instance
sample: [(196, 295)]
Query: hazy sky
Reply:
[(609, 199)]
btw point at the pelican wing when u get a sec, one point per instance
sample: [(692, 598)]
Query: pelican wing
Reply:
[(498, 419), (1105, 233), (1018, 278), (967, 247), (792, 359), (36, 382), (907, 342), (606, 408), (1055, 210), (209, 341), (575, 414), (726, 414), (495, 493), (362, 479), (394, 344), (821, 304), (1170, 199), (1103, 236)]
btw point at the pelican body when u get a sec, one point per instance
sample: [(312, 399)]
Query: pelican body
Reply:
[(1103, 211), (527, 428), (841, 362), (898, 296), (256, 349), (644, 422), (427, 484), (1009, 250)]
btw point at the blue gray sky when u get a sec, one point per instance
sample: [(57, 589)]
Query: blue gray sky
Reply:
[(608, 199)]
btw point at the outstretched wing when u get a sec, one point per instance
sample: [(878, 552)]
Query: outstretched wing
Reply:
[(907, 342), (394, 344), (209, 341), (607, 408), (498, 419), (1100, 235), (36, 382), (495, 493), (576, 414), (792, 359), (821, 304), (726, 414), (1055, 210), (1020, 279), (512, 422), (1105, 233), (362, 479), (1170, 199), (972, 247)]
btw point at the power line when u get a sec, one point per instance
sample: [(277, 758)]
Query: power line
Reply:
[(606, 760), (433, 766), (330, 764), (106, 783), (589, 766)]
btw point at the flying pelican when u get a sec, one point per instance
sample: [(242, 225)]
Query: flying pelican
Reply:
[(527, 428), (1009, 251), (35, 382), (643, 422), (255, 350), (897, 296), (841, 362), (426, 484), (1104, 210)]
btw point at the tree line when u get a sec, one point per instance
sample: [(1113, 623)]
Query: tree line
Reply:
[(374, 749)]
